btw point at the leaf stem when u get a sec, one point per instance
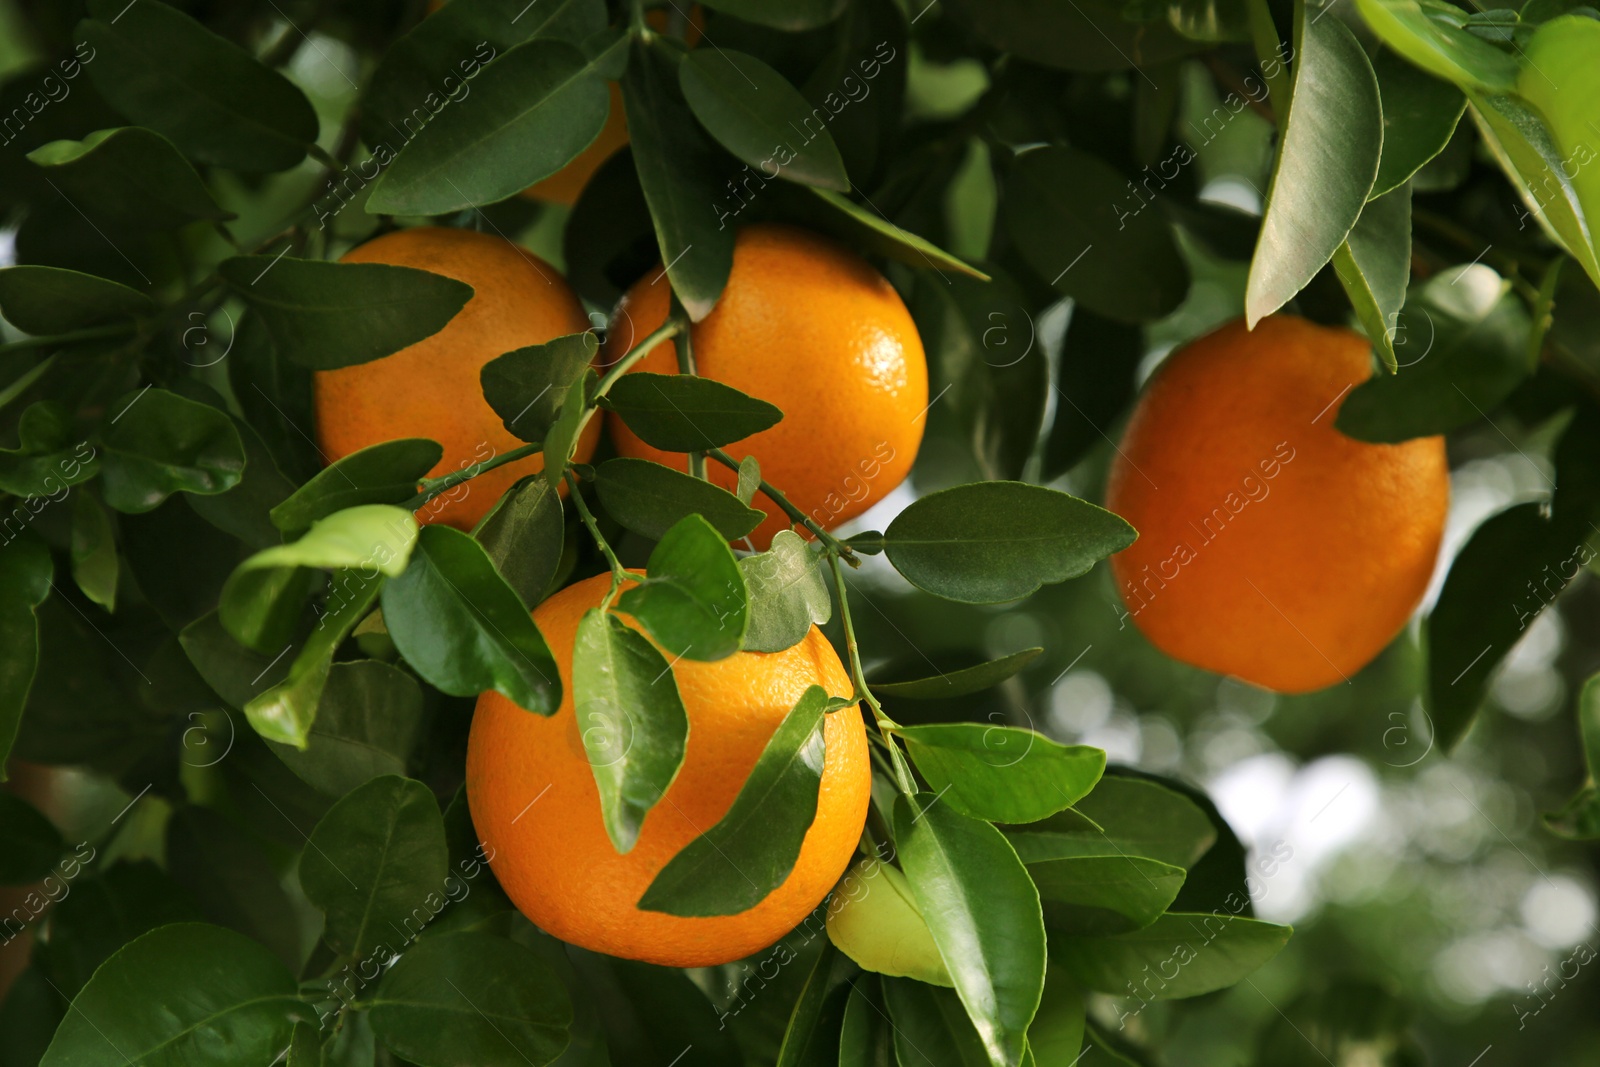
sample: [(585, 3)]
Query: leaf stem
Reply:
[(835, 546), (619, 573), (902, 770)]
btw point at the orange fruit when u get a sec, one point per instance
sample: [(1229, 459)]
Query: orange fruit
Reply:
[(1271, 546), (432, 389), (564, 185), (809, 326), (535, 805)]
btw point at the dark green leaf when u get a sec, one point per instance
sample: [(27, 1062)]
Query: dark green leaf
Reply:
[(692, 599), (631, 719), (990, 542), (462, 628), (877, 925), (373, 862), (245, 511), (650, 499), (984, 914), (685, 413), (230, 872), (52, 455), (326, 315), (681, 175), (207, 95), (472, 998), (864, 1039), (1130, 815), (1326, 162), (1002, 773), (758, 116), (532, 111), (1350, 1023), (1077, 224), (1106, 894), (187, 993), (367, 724), (1179, 955), (528, 387), (1374, 265), (1419, 115), (102, 912), (871, 230), (1439, 46), (159, 443), (960, 683), (812, 1037), (751, 850), (50, 300), (788, 594), (792, 16), (522, 536), (931, 1027), (1092, 35), (30, 844), (1095, 383), (385, 473), (132, 176)]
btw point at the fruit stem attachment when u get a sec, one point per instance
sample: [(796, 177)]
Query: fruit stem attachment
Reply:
[(835, 546), (684, 344), (902, 771), (618, 572)]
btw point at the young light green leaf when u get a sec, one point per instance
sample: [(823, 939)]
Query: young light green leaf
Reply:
[(523, 536), (325, 315), (1201, 952), (1002, 773), (758, 116), (962, 682), (749, 480), (879, 927), (211, 98), (686, 413), (49, 300), (692, 599), (527, 387), (751, 850), (788, 593), (372, 862), (1420, 113), (561, 441), (989, 542), (984, 914), (131, 176), (368, 721), (1439, 44), (631, 719), (460, 626), (158, 443), (385, 473), (650, 499), (1374, 265), (1326, 163)]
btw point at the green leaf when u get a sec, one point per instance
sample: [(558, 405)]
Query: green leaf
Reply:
[(1465, 351), (527, 387), (960, 683), (751, 850), (30, 844), (326, 315), (533, 110), (793, 16), (1056, 1036), (1436, 41), (686, 413), (990, 542), (187, 993), (758, 116), (864, 1039), (1579, 818), (373, 861), (1348, 1023), (1087, 35), (131, 176), (228, 869), (1420, 113), (634, 728), (1095, 381), (1374, 265), (876, 923), (385, 473), (50, 300), (462, 628), (692, 599), (1325, 166), (650, 499), (931, 1027), (1106, 894), (1075, 222), (681, 174), (787, 593), (159, 443), (984, 914), (472, 998), (811, 1038), (1128, 815), (207, 95), (562, 439), (523, 535), (52, 455), (1002, 773), (368, 721), (872, 231), (749, 479), (1179, 955)]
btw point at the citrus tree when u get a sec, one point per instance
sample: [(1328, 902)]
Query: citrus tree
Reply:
[(503, 501)]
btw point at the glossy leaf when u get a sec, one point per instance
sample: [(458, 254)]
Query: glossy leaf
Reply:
[(864, 1035), (686, 413), (1420, 113), (1056, 1036), (1202, 952), (811, 1038), (1002, 773), (960, 683), (990, 542), (527, 387), (30, 844), (368, 721), (931, 1027), (1326, 163), (132, 176), (984, 914), (462, 628), (879, 927), (385, 473), (650, 499), (204, 93), (1126, 815), (326, 315), (52, 454), (523, 536), (372, 862), (159, 443), (787, 591), (1439, 43), (692, 599), (866, 227), (1106, 894), (1374, 265), (751, 850), (48, 300)]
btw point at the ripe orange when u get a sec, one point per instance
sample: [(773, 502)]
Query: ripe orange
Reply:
[(1271, 546), (809, 326), (432, 389), (564, 185), (535, 805)]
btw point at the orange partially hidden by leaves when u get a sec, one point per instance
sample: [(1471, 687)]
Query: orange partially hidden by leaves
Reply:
[(809, 326), (1271, 546), (432, 388), (564, 185), (536, 808)]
